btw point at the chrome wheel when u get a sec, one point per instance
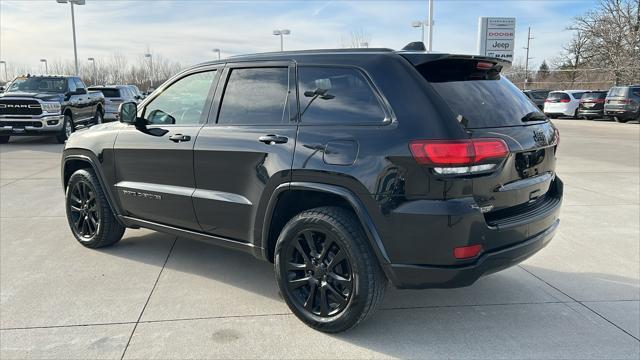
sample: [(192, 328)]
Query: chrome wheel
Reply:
[(84, 210), (68, 127), (319, 275)]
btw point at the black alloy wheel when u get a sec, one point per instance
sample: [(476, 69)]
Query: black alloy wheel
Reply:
[(89, 215), (84, 210), (326, 270), (319, 273)]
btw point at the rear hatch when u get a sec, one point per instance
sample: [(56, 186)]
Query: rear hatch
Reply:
[(593, 100), (617, 98), (507, 186), (557, 102), (112, 98)]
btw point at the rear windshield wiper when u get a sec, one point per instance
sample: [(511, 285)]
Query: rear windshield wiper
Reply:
[(534, 116)]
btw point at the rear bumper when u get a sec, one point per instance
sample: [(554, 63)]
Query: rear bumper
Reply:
[(624, 114), (423, 276), (421, 246), (591, 113)]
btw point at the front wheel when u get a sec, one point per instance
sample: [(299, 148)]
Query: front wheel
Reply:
[(4, 139), (90, 218), (326, 270), (620, 120), (66, 131)]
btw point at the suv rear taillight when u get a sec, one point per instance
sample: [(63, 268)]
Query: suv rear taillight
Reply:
[(564, 100), (453, 157)]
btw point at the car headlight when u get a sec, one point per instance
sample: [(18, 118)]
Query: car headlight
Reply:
[(51, 107)]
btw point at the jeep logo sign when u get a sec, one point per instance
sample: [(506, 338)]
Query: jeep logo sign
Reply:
[(496, 37)]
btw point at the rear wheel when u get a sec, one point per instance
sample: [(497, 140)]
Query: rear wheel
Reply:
[(326, 270), (4, 139), (66, 131), (90, 218), (98, 118)]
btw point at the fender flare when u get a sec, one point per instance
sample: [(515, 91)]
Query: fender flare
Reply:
[(92, 160), (360, 210)]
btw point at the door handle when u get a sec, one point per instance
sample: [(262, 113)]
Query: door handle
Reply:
[(273, 139), (179, 138)]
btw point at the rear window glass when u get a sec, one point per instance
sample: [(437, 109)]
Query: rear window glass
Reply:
[(594, 95), (618, 92), (480, 98), (539, 95), (558, 96), (108, 93), (577, 95)]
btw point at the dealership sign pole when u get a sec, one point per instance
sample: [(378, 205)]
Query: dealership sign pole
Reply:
[(496, 37)]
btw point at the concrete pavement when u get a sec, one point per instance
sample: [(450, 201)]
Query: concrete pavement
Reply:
[(157, 296)]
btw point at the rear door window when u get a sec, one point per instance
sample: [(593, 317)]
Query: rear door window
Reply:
[(333, 95), (108, 93), (255, 96), (479, 97)]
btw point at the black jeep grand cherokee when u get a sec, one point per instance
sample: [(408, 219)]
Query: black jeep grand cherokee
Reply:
[(345, 168)]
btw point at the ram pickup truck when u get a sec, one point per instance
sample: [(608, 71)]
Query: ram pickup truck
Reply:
[(48, 105)]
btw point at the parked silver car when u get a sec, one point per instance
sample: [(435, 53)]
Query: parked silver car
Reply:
[(114, 95)]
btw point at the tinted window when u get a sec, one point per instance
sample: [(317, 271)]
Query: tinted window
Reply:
[(256, 96), (108, 93), (337, 96), (478, 96), (72, 85), (617, 92), (182, 102), (635, 91), (577, 95), (539, 95), (593, 95), (557, 96)]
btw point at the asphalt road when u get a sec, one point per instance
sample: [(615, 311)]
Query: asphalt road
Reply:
[(155, 296)]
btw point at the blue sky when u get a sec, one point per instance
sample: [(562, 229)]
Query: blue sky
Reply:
[(187, 30)]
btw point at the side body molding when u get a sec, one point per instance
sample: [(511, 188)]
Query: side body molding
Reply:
[(359, 208)]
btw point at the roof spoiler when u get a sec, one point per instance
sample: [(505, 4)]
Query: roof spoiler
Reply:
[(420, 58)]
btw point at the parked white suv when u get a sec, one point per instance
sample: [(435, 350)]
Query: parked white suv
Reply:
[(563, 103)]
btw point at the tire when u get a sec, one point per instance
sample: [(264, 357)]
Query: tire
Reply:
[(66, 131), (89, 215), (575, 114), (347, 272), (98, 118), (4, 139), (620, 120)]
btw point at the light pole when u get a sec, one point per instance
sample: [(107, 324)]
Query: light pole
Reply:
[(217, 51), (95, 72), (73, 26), (150, 56), (419, 24), (430, 25), (526, 60), (281, 33), (46, 66), (6, 78)]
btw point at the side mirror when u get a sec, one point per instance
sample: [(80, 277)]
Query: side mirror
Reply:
[(128, 112)]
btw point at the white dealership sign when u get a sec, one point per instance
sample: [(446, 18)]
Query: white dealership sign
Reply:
[(496, 37)]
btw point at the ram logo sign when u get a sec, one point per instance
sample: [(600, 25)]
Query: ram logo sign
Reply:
[(496, 36)]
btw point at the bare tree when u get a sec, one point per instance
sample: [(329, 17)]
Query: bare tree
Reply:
[(356, 39), (609, 37)]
